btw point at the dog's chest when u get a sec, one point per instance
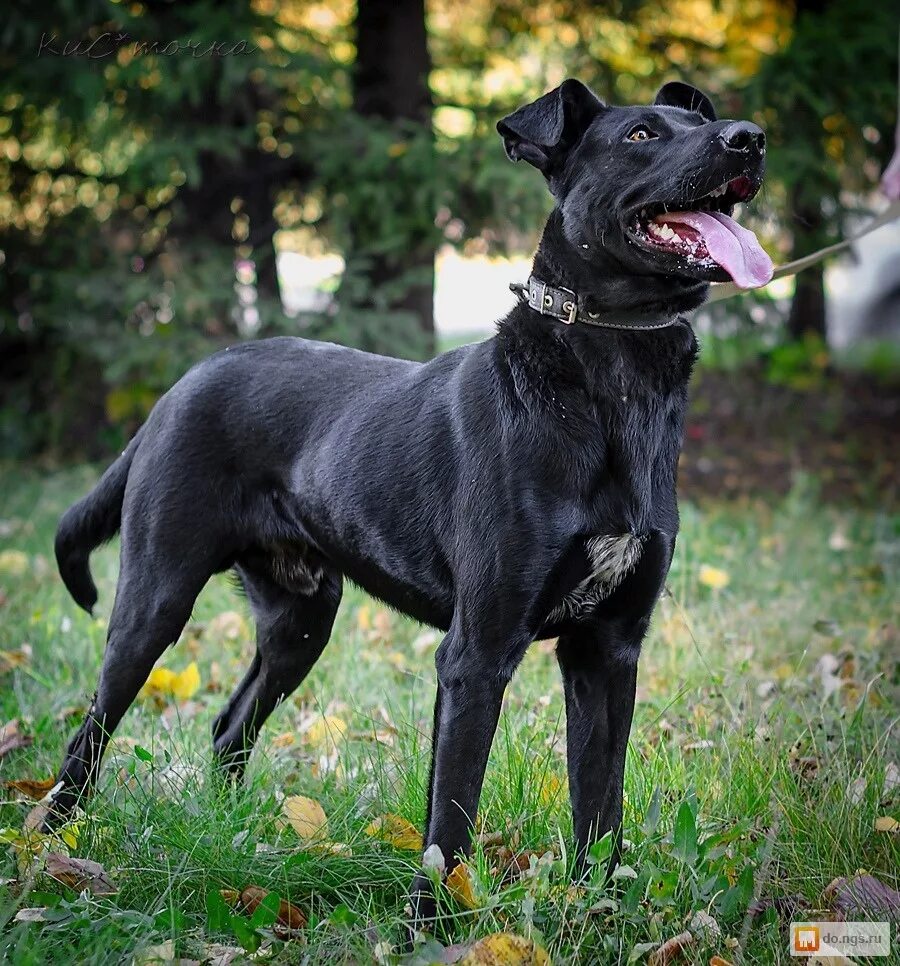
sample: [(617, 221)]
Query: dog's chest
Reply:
[(611, 557)]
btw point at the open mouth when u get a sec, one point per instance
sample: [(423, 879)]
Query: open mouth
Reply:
[(702, 233)]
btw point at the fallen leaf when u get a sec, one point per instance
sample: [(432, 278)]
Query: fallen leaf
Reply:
[(284, 740), (713, 577), (861, 897), (11, 738), (229, 625), (79, 874), (230, 897), (14, 659), (718, 961), (217, 954), (364, 618), (550, 789), (325, 732), (290, 918), (856, 790), (31, 788), (163, 952), (164, 683), (886, 823), (306, 816), (671, 950), (33, 914), (505, 949), (459, 883), (705, 927), (891, 780), (396, 831)]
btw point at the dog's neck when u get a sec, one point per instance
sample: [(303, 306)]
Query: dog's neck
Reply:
[(611, 289)]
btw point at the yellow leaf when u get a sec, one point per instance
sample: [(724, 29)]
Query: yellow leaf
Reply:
[(186, 684), (159, 682), (397, 149), (306, 816), (283, 740), (550, 789), (713, 577), (14, 563), (364, 618), (459, 882), (164, 682), (325, 731), (505, 949), (32, 788), (396, 831), (886, 824)]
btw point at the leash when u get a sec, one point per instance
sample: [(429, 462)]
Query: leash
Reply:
[(725, 290)]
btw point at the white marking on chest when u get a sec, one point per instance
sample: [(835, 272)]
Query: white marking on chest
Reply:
[(612, 557)]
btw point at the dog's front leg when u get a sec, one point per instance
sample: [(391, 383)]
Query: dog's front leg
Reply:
[(471, 680), (599, 686), (599, 663)]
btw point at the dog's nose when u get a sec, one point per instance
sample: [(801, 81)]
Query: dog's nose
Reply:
[(743, 136)]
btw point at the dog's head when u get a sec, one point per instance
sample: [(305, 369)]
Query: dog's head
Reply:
[(652, 187)]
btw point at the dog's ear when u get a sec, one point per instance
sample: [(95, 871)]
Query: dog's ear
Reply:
[(676, 94), (542, 132)]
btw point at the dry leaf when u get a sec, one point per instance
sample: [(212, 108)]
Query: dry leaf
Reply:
[(862, 897), (705, 927), (671, 950), (290, 918), (79, 874), (718, 961), (459, 882), (11, 738), (713, 577), (31, 788), (505, 949), (217, 954), (163, 952), (325, 732), (33, 914), (230, 896), (228, 625), (856, 790), (14, 659), (886, 823), (396, 831), (306, 816), (891, 779)]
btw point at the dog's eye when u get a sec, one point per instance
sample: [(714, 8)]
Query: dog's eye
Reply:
[(640, 133)]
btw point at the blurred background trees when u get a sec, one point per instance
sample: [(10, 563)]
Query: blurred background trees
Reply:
[(150, 175)]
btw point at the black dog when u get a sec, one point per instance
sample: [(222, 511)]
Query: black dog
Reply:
[(516, 489)]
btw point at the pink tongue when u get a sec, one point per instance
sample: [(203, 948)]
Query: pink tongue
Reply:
[(733, 247)]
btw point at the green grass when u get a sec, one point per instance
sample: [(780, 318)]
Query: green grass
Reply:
[(730, 699)]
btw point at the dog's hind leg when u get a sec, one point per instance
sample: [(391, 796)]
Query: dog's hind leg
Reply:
[(158, 584), (292, 630)]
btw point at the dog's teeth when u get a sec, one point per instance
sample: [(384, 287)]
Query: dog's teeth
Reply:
[(675, 237), (666, 232)]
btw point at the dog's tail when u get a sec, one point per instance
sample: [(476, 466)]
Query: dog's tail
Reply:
[(88, 523)]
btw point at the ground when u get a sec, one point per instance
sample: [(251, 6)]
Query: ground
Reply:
[(761, 765)]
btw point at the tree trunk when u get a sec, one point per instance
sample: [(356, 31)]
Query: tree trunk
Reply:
[(390, 82), (807, 313)]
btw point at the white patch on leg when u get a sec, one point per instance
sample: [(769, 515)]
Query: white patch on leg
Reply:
[(612, 557)]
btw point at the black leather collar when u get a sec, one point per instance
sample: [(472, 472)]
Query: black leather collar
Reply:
[(563, 304)]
